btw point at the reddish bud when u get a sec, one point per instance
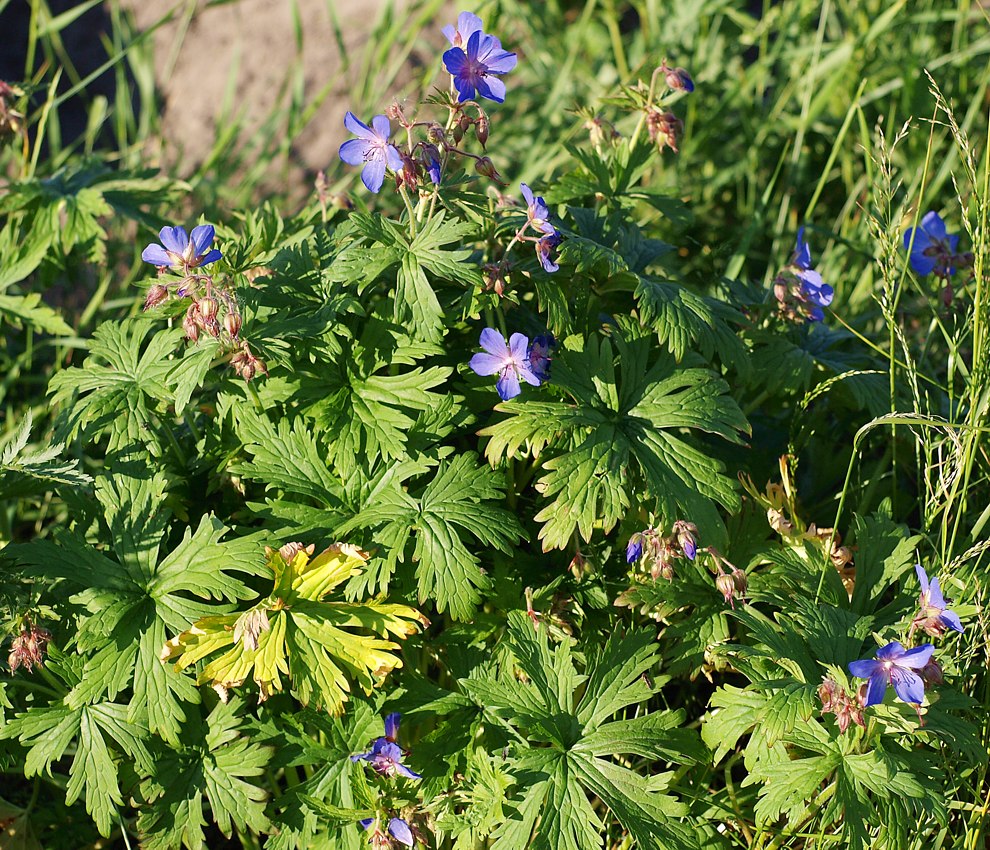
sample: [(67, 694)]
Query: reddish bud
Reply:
[(28, 648), (486, 168), (481, 127), (156, 294)]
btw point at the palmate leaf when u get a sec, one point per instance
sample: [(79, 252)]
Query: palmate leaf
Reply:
[(623, 431), (686, 322), (133, 599), (101, 733), (568, 741), (320, 646), (433, 523), (415, 301), (216, 761), (32, 473)]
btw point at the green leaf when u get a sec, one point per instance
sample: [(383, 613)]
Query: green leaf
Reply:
[(565, 743), (25, 473), (626, 428), (101, 733), (120, 385), (456, 505), (215, 761), (130, 603)]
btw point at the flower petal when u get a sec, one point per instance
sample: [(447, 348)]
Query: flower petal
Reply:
[(392, 158), (935, 597), (921, 262), (156, 255), (802, 253), (392, 725), (202, 237), (933, 225), (527, 193), (917, 657), (528, 375), (499, 61), (454, 60), (405, 771), (467, 24), (449, 32), (891, 652), (494, 343), (210, 257), (876, 688), (486, 364), (400, 831), (373, 175), (508, 384), (518, 345), (366, 822), (358, 128), (382, 127), (464, 82), (950, 619), (174, 239), (908, 685), (352, 151), (863, 669), (922, 577), (491, 87)]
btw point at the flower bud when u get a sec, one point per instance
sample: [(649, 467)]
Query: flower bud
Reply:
[(664, 128), (481, 128), (208, 308), (932, 673), (435, 134), (395, 113), (677, 79), (685, 533), (726, 585), (28, 648), (156, 294), (740, 580), (232, 323), (486, 168), (190, 323)]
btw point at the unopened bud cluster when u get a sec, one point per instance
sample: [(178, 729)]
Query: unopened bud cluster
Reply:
[(28, 648), (847, 708), (11, 121), (660, 552)]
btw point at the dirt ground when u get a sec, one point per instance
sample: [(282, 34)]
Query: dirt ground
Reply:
[(197, 52)]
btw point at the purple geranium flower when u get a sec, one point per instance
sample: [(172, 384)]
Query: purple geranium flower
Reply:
[(895, 666), (816, 292), (510, 362), (475, 67), (397, 828), (537, 212), (467, 25), (181, 251), (545, 246), (802, 253), (934, 616), (932, 247), (385, 754), (371, 148), (539, 358), (634, 548)]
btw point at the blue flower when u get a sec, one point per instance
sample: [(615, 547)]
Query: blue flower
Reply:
[(537, 212), (510, 362), (799, 289), (932, 247), (539, 358), (180, 251), (634, 548), (815, 292), (895, 666), (802, 253), (371, 148), (385, 754), (934, 616), (467, 25), (397, 828), (545, 246), (476, 66)]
